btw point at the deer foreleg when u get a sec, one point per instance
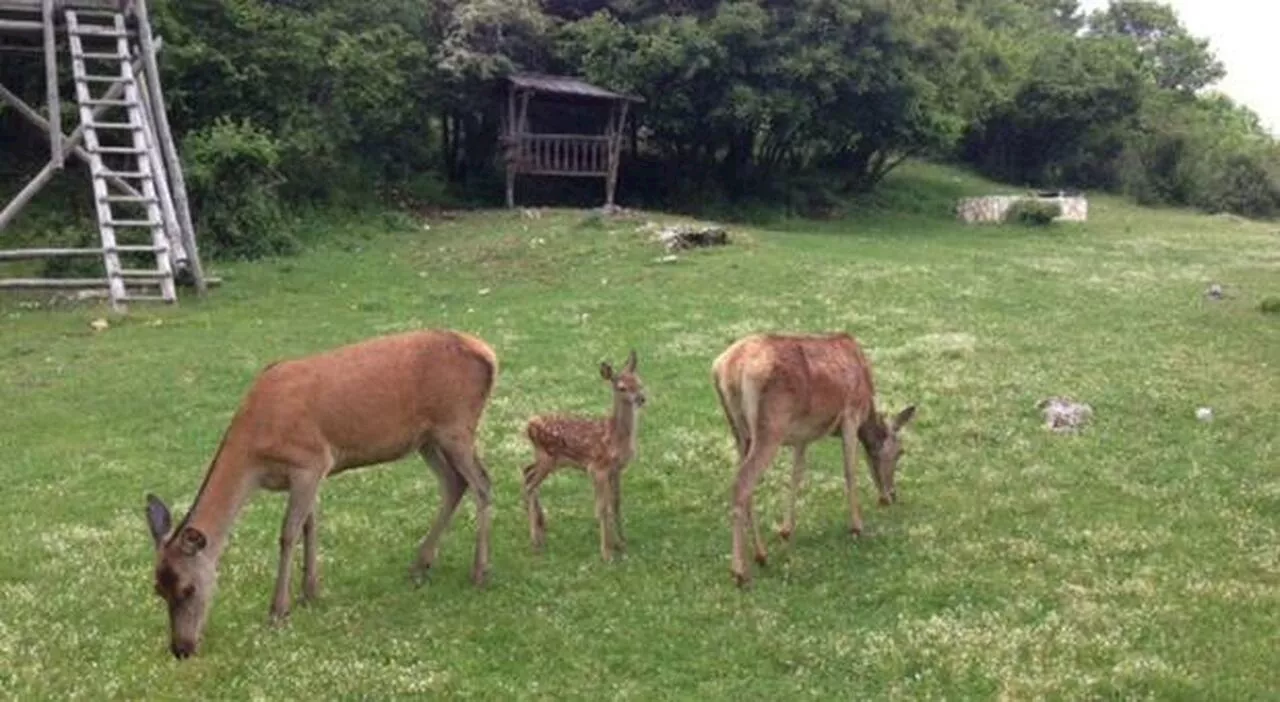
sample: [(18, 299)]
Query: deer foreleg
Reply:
[(604, 512), (849, 437), (534, 474), (310, 565), (615, 494), (302, 499), (797, 478)]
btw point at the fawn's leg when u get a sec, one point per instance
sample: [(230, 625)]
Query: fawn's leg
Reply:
[(604, 509), (797, 477), (461, 454), (534, 474), (452, 487), (759, 456), (310, 566), (615, 494), (303, 487), (849, 439)]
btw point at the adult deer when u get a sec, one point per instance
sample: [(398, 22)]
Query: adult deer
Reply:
[(309, 418), (602, 446), (793, 390)]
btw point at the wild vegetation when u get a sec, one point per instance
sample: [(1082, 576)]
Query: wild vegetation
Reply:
[(287, 105), (1137, 559)]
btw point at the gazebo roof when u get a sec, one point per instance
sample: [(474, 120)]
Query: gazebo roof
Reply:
[(566, 85)]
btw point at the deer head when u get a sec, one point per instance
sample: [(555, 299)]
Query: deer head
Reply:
[(185, 575), (880, 438), (627, 388)]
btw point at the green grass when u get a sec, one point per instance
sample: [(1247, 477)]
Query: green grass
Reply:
[(1139, 559)]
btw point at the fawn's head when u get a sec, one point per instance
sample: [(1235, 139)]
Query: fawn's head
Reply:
[(626, 385), (184, 577), (880, 438)]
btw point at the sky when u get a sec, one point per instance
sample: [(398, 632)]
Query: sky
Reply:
[(1242, 34)]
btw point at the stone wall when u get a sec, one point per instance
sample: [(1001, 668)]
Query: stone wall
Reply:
[(992, 208)]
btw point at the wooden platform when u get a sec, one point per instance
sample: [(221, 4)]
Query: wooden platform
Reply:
[(58, 5)]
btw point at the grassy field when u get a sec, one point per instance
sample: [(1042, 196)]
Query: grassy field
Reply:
[(1137, 560)]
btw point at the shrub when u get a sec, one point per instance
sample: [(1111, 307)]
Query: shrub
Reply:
[(232, 177), (1033, 213)]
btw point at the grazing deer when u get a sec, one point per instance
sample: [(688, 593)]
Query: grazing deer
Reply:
[(308, 418), (601, 446), (793, 390)]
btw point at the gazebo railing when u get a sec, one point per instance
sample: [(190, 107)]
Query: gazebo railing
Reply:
[(561, 154)]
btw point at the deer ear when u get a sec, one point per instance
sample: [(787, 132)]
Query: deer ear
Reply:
[(158, 519), (193, 541), (903, 417), (606, 371), (631, 362)]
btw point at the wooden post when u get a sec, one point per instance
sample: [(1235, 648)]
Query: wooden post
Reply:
[(51, 86), (173, 230), (510, 146), (152, 71)]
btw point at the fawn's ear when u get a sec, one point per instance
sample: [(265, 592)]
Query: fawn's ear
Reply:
[(631, 363), (158, 519), (193, 541), (606, 371), (903, 417)]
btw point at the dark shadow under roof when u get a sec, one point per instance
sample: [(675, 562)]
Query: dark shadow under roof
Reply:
[(565, 85)]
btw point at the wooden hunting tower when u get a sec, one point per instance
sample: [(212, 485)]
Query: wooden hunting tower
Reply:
[(144, 224), (560, 126)]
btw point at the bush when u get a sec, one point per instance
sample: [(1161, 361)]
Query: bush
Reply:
[(232, 178), (1033, 213)]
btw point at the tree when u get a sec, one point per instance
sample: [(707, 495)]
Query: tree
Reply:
[(1176, 60)]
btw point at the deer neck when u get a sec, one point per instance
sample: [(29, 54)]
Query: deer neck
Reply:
[(225, 491), (622, 426)]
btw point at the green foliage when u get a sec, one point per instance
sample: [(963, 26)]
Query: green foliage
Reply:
[(233, 183), (1033, 213), (1270, 305)]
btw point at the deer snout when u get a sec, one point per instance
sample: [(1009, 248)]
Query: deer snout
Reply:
[(182, 649)]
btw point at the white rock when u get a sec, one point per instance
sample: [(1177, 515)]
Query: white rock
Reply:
[(1204, 414)]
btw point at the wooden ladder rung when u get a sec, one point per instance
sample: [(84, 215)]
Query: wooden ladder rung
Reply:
[(96, 13), (131, 223), (92, 30), (97, 55), (118, 150), (103, 101), (140, 274), (120, 126), (123, 174), (136, 248), (105, 79), (127, 198)]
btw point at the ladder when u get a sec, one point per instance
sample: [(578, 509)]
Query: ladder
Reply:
[(122, 149)]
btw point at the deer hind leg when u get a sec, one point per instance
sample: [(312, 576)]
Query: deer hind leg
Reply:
[(310, 566), (797, 478), (452, 487), (849, 439), (534, 474), (303, 488), (461, 454), (763, 449)]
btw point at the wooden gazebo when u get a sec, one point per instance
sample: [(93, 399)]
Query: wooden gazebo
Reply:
[(562, 126)]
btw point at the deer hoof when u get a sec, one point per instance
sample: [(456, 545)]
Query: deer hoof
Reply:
[(279, 618), (855, 531), (419, 575), (784, 533), (479, 577), (742, 580), (762, 559)]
